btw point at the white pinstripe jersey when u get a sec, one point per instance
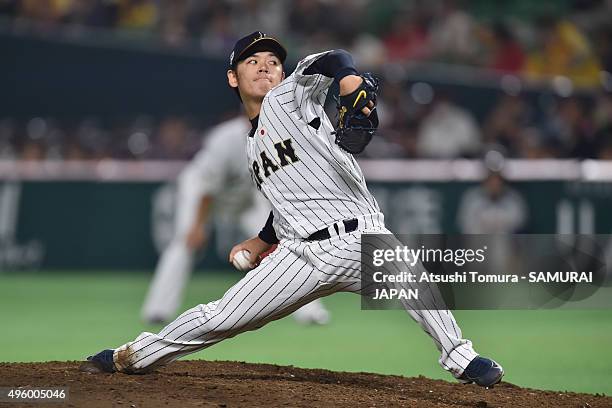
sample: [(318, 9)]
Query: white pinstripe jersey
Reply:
[(310, 182)]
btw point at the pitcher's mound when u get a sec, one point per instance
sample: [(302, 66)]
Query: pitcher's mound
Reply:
[(232, 384)]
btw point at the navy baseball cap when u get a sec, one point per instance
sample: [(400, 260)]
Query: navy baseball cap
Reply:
[(255, 42)]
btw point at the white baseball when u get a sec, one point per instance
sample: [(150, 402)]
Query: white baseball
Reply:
[(241, 260)]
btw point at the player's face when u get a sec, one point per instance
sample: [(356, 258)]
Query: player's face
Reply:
[(256, 75)]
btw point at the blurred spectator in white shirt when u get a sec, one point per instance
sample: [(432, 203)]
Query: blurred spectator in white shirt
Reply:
[(491, 208), (448, 131)]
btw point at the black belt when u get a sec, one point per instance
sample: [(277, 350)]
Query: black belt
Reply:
[(349, 226)]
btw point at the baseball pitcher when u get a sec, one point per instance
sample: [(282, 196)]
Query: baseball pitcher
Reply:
[(320, 207)]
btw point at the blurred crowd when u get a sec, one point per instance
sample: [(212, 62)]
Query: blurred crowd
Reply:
[(142, 137), (572, 127), (421, 122), (537, 38), (564, 43)]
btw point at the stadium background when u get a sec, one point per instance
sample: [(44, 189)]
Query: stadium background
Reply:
[(103, 101)]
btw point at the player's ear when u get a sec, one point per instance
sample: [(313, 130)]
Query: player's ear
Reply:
[(283, 77), (232, 78)]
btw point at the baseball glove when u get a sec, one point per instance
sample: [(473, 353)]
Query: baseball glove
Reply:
[(355, 129)]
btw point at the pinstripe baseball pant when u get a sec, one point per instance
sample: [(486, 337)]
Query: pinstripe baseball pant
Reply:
[(296, 273)]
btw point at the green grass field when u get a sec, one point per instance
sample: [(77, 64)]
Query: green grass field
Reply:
[(66, 316)]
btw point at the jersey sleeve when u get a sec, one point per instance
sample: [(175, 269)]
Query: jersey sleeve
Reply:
[(303, 93), (267, 233), (313, 86)]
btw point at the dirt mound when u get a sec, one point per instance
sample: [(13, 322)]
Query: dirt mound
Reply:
[(232, 384)]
